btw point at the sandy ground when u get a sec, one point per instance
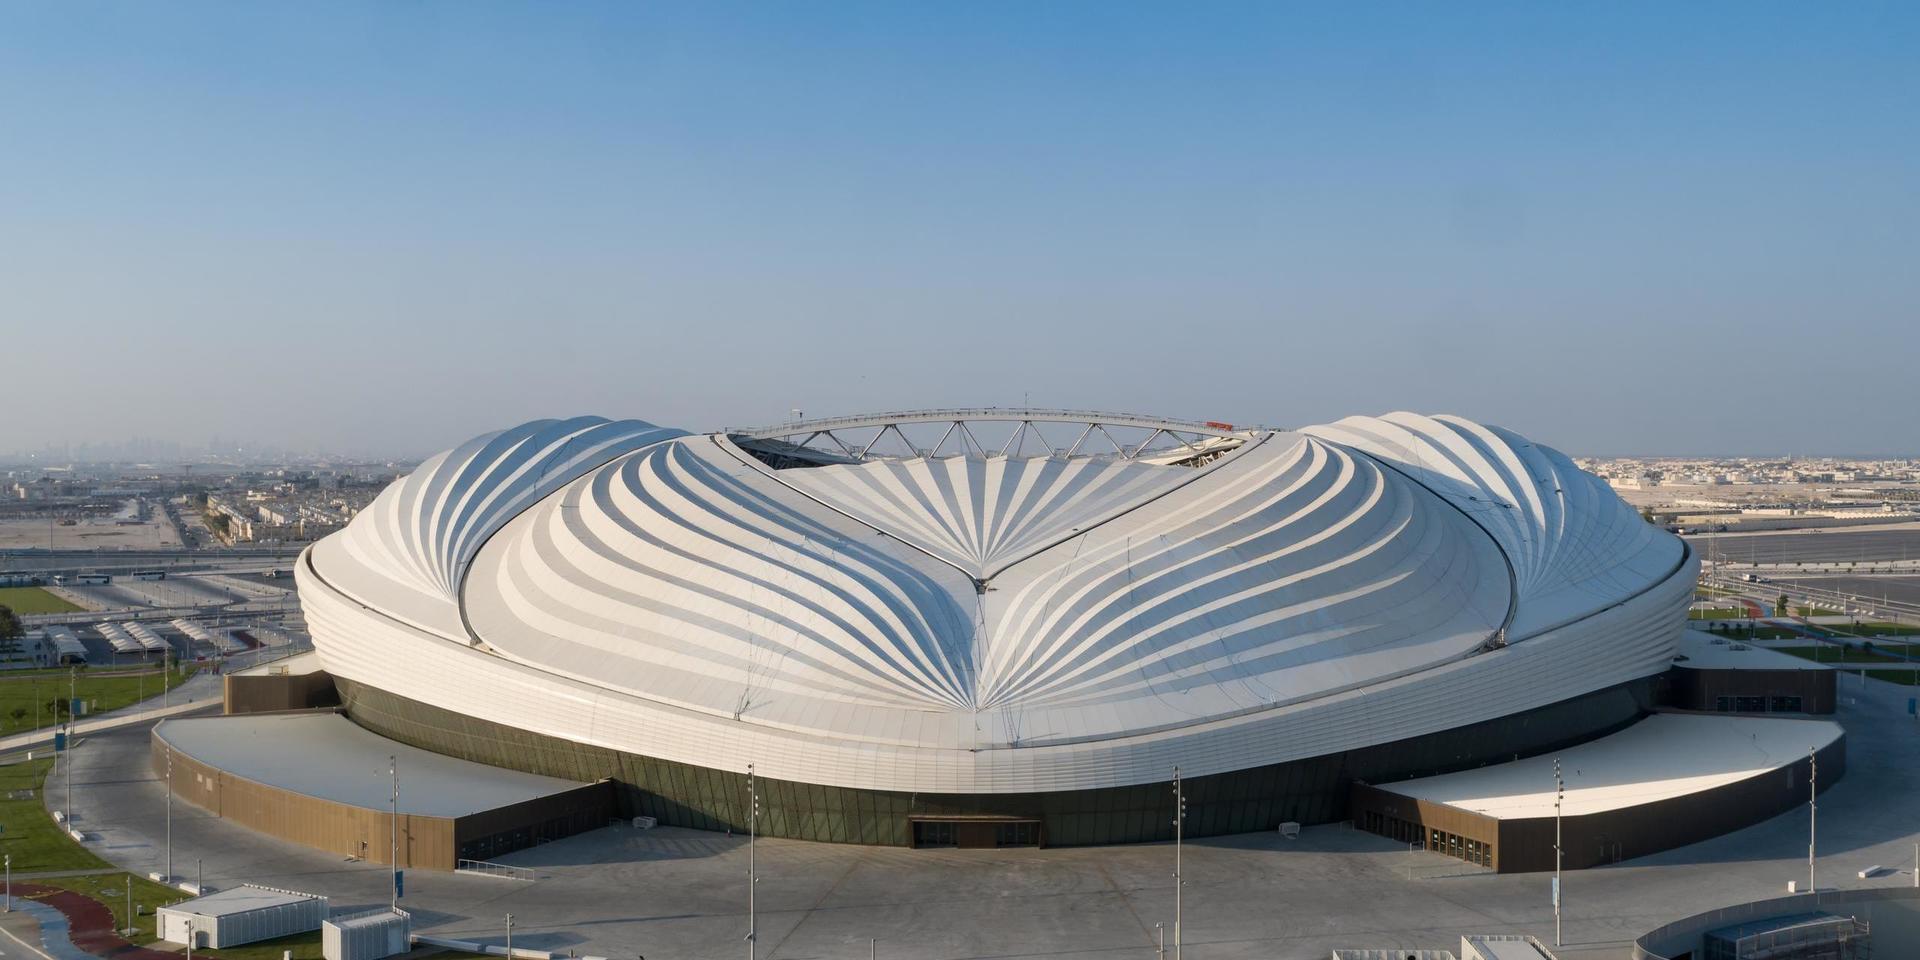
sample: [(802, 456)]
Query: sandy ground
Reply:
[(101, 534)]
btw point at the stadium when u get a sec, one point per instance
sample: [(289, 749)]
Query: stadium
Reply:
[(996, 627)]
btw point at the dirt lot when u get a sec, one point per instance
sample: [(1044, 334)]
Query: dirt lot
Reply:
[(88, 534)]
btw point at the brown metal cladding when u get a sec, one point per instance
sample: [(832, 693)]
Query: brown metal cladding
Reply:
[(426, 842), (266, 693), (1695, 689)]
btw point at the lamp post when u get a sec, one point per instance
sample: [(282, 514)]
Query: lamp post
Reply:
[(1559, 796), (73, 700), (9, 869), (509, 936), (1813, 814), (1179, 839), (753, 879), (169, 814), (393, 837), (189, 938)]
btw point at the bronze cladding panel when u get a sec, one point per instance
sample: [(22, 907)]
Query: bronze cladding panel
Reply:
[(1429, 815), (262, 693), (426, 842), (1701, 689), (973, 834), (340, 828), (552, 817)]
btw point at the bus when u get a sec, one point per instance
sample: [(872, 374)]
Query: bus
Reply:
[(147, 575), (93, 579)]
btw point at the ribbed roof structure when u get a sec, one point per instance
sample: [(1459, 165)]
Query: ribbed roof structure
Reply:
[(915, 621)]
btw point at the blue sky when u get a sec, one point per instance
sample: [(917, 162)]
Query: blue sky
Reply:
[(1619, 228)]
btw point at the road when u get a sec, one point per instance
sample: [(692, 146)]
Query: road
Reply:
[(1830, 544), (173, 560)]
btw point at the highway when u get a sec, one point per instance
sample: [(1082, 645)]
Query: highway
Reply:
[(1837, 544), (69, 562)]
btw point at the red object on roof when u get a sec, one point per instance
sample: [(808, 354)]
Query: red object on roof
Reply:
[(1217, 425)]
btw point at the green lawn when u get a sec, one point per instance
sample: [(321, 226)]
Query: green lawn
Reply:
[(1717, 613), (1870, 629), (27, 832), (110, 889), (103, 688), (27, 600), (1761, 632), (1908, 677), (1833, 654)]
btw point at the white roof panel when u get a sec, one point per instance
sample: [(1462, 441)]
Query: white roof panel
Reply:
[(1664, 756)]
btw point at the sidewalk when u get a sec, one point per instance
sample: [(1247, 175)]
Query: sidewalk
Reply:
[(189, 697)]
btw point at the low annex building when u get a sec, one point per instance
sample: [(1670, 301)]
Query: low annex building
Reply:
[(338, 796), (243, 914), (1669, 780), (1723, 675)]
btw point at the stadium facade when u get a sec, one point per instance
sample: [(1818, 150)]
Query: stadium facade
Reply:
[(995, 626)]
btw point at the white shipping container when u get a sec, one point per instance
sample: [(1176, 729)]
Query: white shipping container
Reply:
[(243, 914), (368, 936)]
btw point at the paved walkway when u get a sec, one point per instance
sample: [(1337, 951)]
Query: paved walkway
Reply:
[(198, 693)]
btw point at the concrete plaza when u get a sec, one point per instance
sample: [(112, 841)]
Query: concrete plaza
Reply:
[(624, 892)]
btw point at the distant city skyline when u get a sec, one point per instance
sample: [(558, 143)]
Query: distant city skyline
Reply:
[(376, 229)]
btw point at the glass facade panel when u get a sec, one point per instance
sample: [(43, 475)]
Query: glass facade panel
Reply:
[(1309, 791)]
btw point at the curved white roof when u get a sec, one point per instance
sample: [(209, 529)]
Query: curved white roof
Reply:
[(969, 604)]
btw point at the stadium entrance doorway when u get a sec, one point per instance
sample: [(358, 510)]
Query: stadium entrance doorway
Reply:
[(976, 832)]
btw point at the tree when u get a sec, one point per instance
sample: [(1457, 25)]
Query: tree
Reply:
[(11, 631), (1781, 609)]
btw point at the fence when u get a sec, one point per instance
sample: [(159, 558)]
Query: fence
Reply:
[(499, 871)]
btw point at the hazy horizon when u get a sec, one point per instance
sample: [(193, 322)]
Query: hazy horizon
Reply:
[(372, 228)]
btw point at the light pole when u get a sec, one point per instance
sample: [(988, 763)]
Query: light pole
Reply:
[(753, 879), (509, 936), (1160, 934), (393, 839), (9, 868), (189, 938), (1559, 795), (169, 814), (1179, 839), (129, 913), (1813, 814), (73, 699)]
